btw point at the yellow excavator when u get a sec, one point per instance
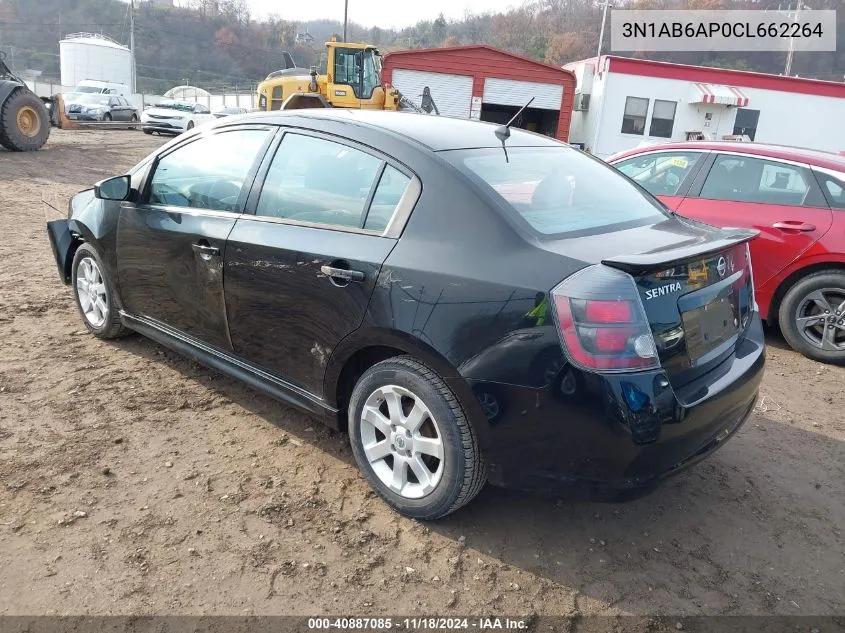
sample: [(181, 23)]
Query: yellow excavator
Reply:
[(352, 80)]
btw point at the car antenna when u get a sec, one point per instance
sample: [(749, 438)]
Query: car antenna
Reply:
[(503, 132)]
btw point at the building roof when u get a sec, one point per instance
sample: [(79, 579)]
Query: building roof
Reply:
[(437, 133), (93, 39), (451, 50), (800, 154), (706, 74)]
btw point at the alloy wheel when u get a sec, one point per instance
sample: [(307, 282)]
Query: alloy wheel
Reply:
[(91, 291), (402, 442), (820, 318)]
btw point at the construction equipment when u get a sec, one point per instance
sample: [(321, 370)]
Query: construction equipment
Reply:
[(24, 120), (352, 80)]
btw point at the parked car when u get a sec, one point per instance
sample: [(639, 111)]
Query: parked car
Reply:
[(100, 107), (380, 268), (94, 86), (174, 117), (228, 111), (794, 197)]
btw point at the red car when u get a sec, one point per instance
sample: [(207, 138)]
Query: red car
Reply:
[(794, 197)]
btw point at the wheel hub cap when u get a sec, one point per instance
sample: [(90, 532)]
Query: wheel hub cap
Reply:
[(402, 442), (91, 292), (819, 319), (29, 123)]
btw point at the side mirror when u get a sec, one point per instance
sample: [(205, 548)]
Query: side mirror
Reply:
[(117, 188)]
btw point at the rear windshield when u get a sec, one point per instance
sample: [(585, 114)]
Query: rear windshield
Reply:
[(559, 191)]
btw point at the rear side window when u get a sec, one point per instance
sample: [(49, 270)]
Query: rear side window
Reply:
[(391, 188), (659, 173), (744, 179), (318, 181), (559, 191), (833, 186)]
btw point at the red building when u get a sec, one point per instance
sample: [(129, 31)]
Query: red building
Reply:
[(484, 83)]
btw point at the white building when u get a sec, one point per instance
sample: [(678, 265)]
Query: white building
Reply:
[(622, 102)]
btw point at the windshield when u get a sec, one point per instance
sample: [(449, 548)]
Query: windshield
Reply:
[(559, 191), (175, 105)]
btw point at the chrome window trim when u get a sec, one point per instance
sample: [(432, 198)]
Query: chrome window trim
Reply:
[(839, 175), (785, 161), (666, 150)]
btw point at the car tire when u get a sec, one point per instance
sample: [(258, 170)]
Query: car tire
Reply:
[(150, 132), (190, 126), (134, 118), (804, 323), (412, 391), (107, 117), (95, 295), (24, 122)]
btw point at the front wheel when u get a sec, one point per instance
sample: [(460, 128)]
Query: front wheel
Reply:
[(412, 440), (94, 293), (107, 117), (190, 126), (812, 316)]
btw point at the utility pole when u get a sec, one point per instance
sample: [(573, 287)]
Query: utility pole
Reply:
[(603, 20), (345, 17), (788, 68), (132, 44)]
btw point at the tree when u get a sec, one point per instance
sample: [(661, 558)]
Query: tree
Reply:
[(567, 47), (451, 41)]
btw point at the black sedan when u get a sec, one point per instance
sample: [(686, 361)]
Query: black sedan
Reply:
[(470, 303)]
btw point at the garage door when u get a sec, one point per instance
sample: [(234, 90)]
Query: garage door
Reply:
[(451, 94), (517, 93)]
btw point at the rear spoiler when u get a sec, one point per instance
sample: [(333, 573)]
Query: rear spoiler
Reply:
[(666, 258)]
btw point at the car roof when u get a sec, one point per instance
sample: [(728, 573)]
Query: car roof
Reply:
[(437, 133), (814, 157)]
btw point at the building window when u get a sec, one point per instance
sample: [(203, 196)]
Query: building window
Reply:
[(633, 121), (662, 118), (746, 122)]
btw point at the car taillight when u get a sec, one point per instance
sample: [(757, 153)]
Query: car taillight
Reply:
[(602, 322)]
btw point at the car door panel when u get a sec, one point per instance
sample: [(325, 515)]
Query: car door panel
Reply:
[(164, 277), (170, 244), (284, 313), (786, 230)]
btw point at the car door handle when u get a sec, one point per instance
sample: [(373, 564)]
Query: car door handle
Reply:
[(794, 225), (206, 251), (342, 273)]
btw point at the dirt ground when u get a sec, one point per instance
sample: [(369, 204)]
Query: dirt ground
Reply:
[(133, 481)]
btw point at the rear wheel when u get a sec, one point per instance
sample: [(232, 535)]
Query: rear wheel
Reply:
[(812, 316), (107, 117), (134, 118), (24, 122), (150, 132), (412, 440)]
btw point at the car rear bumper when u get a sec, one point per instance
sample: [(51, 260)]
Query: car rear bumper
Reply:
[(618, 432)]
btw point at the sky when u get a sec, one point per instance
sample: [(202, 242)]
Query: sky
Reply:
[(383, 13)]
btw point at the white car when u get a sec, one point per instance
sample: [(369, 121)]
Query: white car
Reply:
[(174, 117)]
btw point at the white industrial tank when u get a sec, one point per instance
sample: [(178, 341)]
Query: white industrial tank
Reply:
[(90, 56)]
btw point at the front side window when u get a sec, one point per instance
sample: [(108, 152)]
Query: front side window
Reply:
[(559, 191), (745, 179), (208, 173), (662, 118), (659, 173), (371, 78), (633, 120), (318, 181)]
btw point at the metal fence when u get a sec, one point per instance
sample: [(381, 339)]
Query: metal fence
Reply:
[(141, 100)]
